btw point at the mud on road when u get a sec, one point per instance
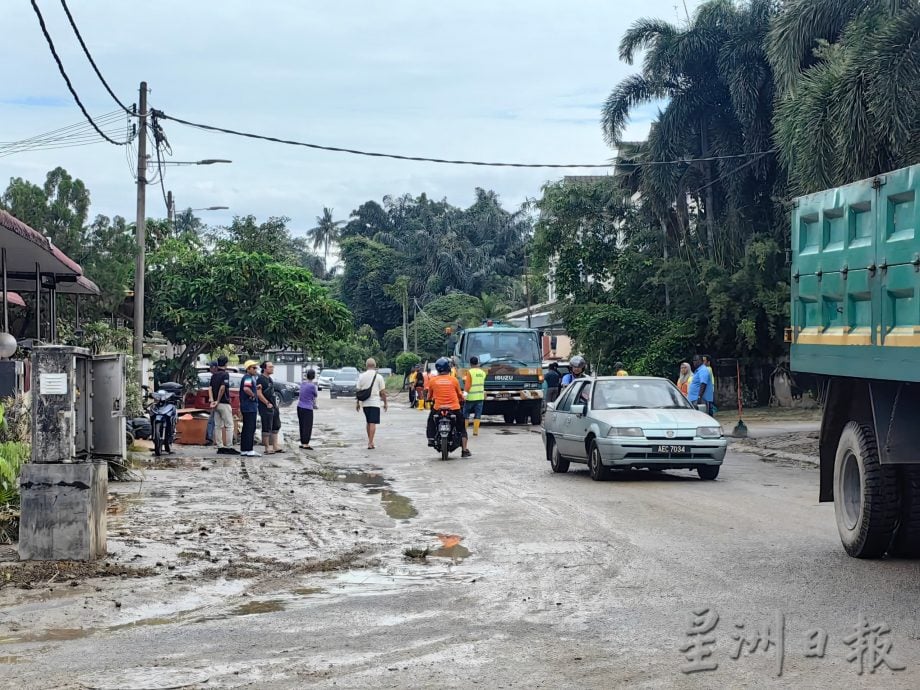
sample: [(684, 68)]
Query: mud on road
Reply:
[(389, 568)]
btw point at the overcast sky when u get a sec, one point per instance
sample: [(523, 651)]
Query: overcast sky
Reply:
[(515, 80)]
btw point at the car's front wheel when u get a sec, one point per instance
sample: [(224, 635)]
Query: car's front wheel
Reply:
[(559, 464), (708, 471), (596, 468)]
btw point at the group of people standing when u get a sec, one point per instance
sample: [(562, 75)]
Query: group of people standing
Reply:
[(698, 383), (257, 400)]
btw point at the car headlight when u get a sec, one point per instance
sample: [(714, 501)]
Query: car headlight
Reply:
[(626, 431), (709, 432)]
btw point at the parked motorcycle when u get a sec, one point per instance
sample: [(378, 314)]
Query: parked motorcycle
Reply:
[(446, 436), (164, 415)]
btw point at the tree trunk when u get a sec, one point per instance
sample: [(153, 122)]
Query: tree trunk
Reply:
[(405, 311), (710, 203)]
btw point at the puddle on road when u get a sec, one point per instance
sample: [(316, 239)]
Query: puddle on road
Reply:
[(51, 635), (451, 548), (362, 478), (256, 607), (396, 505)]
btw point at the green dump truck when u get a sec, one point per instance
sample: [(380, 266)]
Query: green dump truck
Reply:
[(512, 359), (856, 324)]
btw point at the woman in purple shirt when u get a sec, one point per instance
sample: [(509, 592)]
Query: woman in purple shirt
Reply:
[(305, 406)]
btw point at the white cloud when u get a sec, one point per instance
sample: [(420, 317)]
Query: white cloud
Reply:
[(511, 81)]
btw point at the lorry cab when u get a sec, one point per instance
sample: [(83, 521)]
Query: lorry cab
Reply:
[(512, 360)]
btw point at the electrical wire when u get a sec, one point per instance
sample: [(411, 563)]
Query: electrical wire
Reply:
[(73, 25), (73, 91), (731, 172), (425, 159)]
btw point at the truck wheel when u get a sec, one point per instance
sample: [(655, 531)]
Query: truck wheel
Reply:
[(907, 538), (536, 415), (522, 416), (598, 471), (865, 494), (509, 419), (559, 464)]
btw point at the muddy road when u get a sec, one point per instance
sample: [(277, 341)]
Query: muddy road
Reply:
[(289, 570)]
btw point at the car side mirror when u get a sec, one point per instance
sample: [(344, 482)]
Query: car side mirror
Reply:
[(578, 410)]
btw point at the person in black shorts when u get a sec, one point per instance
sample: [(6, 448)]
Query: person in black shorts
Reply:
[(268, 409)]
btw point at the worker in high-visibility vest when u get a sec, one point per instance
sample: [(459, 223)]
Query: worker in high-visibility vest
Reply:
[(474, 383)]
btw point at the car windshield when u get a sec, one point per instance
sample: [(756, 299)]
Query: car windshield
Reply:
[(346, 376), (496, 346), (627, 394)]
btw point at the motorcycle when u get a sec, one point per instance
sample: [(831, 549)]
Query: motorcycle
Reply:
[(446, 437), (164, 414)]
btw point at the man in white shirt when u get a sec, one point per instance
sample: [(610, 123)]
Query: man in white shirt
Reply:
[(371, 380)]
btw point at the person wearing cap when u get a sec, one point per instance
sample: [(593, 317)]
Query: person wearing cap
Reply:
[(249, 408), (220, 403)]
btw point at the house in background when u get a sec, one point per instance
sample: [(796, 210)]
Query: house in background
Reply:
[(550, 326)]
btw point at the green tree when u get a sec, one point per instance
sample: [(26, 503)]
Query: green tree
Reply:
[(369, 267), (325, 234), (399, 293), (849, 75), (207, 300)]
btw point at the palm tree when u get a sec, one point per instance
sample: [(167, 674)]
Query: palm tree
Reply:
[(719, 90), (490, 306), (325, 234), (849, 74)]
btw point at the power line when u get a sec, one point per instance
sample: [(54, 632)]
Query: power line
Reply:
[(73, 92), (376, 154), (757, 157), (73, 25)]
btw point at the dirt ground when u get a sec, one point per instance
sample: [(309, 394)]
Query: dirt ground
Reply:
[(351, 567)]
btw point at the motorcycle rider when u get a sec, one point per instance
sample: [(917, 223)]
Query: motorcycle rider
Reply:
[(579, 365), (445, 394)]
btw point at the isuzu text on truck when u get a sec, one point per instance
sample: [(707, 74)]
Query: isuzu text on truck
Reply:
[(856, 323)]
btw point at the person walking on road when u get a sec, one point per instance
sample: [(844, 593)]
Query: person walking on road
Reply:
[(220, 403), (306, 404), (683, 380), (474, 383), (268, 409), (700, 388), (553, 382), (371, 383), (249, 408)]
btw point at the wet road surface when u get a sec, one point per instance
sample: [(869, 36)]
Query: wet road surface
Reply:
[(531, 580)]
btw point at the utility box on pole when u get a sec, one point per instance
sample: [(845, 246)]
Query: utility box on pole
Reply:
[(78, 424)]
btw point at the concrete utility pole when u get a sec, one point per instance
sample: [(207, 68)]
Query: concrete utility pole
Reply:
[(141, 232), (171, 210), (527, 287)]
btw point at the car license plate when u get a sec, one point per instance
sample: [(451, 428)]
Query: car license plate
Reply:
[(672, 449)]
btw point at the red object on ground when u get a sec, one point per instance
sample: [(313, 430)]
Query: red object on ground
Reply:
[(199, 400)]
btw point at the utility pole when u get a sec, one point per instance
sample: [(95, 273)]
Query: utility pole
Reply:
[(415, 323), (141, 232), (527, 287), (171, 211)]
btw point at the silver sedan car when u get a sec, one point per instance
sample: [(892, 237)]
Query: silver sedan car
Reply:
[(623, 422)]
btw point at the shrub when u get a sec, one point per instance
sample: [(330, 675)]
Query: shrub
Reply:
[(405, 361)]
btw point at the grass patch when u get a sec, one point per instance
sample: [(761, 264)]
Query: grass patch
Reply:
[(417, 554)]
